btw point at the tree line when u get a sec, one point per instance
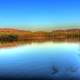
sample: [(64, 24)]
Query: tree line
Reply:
[(8, 38)]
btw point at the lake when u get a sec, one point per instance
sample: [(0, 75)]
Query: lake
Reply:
[(41, 60)]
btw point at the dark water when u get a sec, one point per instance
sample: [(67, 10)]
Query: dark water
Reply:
[(45, 60)]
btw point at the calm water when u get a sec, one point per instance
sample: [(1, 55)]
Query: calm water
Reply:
[(39, 60)]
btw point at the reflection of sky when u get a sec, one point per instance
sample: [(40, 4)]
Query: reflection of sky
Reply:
[(39, 12), (38, 59)]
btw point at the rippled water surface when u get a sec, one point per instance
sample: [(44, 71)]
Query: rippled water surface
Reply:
[(41, 60)]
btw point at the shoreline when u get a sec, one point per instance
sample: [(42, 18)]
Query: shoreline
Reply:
[(13, 37), (16, 44)]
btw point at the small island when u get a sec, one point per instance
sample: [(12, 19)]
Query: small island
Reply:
[(13, 37)]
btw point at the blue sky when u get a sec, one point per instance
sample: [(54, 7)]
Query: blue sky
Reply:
[(39, 12)]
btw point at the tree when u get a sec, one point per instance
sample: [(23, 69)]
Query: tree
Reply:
[(11, 38)]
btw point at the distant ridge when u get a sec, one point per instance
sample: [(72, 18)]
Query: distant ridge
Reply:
[(12, 37), (19, 30)]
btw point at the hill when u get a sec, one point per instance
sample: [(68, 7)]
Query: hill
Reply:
[(9, 36)]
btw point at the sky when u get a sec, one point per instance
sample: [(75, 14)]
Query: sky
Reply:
[(39, 12)]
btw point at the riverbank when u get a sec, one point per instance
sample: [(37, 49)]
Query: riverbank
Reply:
[(13, 37)]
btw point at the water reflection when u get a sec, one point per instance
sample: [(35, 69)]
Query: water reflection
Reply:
[(41, 60)]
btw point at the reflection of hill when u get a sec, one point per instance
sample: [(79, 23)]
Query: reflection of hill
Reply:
[(21, 36)]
